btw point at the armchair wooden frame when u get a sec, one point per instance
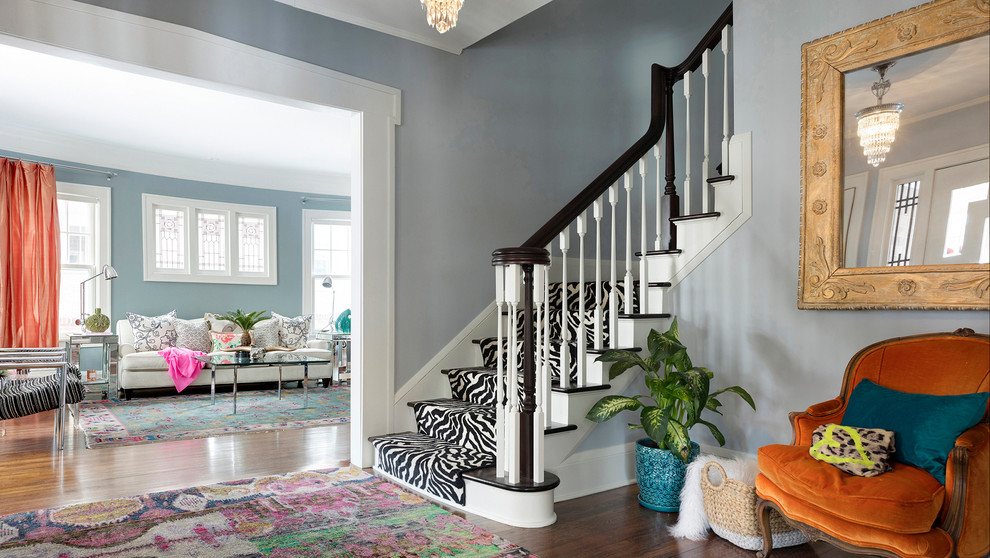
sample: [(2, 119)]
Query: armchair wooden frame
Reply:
[(959, 457)]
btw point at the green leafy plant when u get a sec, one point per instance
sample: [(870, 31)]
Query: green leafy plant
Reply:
[(246, 321), (679, 393)]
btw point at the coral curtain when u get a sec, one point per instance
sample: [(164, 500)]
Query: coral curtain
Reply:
[(29, 255)]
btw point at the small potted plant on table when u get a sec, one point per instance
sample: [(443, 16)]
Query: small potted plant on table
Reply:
[(245, 321), (679, 393)]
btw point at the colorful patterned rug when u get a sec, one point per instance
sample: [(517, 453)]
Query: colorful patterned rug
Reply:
[(181, 417), (332, 512)]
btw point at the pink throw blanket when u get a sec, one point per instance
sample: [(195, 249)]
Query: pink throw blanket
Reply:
[(182, 367)]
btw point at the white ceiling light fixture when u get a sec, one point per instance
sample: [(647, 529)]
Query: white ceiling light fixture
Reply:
[(442, 14), (879, 123)]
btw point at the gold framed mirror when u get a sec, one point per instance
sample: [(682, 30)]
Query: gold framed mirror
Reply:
[(825, 280)]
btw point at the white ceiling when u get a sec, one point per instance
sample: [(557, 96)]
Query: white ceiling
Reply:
[(407, 18), (104, 117)]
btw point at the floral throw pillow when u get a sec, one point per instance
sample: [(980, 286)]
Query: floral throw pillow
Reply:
[(193, 335), (293, 331), (222, 341), (153, 333), (266, 333)]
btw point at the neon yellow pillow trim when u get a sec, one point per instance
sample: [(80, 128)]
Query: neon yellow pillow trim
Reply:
[(831, 442)]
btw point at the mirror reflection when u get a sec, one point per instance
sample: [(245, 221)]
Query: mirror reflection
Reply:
[(916, 152)]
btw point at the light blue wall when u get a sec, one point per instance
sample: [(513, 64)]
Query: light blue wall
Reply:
[(493, 142), (130, 293)]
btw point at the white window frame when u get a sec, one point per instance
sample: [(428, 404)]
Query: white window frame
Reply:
[(99, 195), (922, 170), (311, 217), (190, 272)]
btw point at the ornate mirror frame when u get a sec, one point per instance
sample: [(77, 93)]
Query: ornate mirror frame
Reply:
[(823, 282)]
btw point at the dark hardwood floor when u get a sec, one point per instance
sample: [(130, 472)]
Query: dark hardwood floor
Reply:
[(31, 478)]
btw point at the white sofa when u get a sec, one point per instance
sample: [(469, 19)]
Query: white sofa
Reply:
[(148, 369)]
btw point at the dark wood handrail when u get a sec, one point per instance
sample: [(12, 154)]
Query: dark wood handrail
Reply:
[(662, 79)]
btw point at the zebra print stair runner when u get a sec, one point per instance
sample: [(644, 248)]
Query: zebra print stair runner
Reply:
[(457, 435)]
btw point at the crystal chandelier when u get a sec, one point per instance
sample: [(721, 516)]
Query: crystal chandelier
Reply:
[(442, 14), (878, 124)]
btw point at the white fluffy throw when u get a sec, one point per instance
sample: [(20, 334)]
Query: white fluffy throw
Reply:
[(692, 522)]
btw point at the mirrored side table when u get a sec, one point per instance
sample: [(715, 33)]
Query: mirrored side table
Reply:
[(107, 375)]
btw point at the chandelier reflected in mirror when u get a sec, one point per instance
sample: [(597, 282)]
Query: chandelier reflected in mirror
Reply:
[(878, 124), (442, 14)]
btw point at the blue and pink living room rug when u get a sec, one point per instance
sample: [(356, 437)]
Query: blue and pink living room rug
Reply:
[(181, 417)]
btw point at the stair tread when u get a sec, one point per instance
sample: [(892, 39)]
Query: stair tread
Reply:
[(602, 387), (447, 371), (695, 217), (449, 402), (601, 350), (643, 316), (487, 475), (662, 284), (660, 252), (725, 178), (556, 427)]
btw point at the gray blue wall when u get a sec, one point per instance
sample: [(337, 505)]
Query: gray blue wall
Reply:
[(130, 293)]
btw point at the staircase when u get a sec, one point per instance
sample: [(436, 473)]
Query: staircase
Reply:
[(488, 440)]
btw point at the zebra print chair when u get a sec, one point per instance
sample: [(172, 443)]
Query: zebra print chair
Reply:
[(26, 396)]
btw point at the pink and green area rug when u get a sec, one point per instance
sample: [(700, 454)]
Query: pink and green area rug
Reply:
[(332, 512), (181, 417)]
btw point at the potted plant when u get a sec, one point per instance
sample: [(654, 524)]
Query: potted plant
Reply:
[(679, 394), (245, 321)]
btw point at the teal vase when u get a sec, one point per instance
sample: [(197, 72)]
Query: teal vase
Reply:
[(660, 475), (343, 323)]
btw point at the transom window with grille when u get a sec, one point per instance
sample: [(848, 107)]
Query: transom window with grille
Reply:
[(84, 229), (208, 242), (326, 253)]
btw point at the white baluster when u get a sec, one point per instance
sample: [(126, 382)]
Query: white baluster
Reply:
[(538, 278), (613, 295), (542, 390), (687, 142), (565, 352), (725, 101), (546, 343), (657, 155), (705, 171), (628, 286), (643, 291), (597, 213), (512, 385), (500, 445), (582, 334)]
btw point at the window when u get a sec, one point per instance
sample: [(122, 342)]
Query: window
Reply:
[(84, 225), (200, 241), (326, 253)]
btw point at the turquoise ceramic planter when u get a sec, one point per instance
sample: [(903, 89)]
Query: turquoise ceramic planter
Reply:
[(660, 475)]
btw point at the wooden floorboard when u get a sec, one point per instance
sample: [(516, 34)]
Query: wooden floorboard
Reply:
[(601, 525)]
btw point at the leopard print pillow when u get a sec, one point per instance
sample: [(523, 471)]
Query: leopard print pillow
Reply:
[(865, 452)]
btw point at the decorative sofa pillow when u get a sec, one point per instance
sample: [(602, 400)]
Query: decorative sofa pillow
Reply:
[(293, 331), (221, 326), (926, 426), (193, 335), (864, 452), (266, 333), (152, 333), (222, 341)]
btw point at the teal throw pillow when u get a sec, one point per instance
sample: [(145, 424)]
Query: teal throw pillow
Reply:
[(925, 426)]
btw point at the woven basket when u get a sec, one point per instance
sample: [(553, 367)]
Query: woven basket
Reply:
[(731, 510)]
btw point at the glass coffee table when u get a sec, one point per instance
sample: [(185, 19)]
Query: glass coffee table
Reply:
[(271, 358)]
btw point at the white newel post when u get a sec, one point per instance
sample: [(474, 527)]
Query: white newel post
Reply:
[(687, 143), (500, 446), (725, 101), (628, 285), (512, 385), (582, 334), (643, 290), (705, 171), (597, 213), (565, 353), (542, 386), (613, 294), (657, 155), (546, 340)]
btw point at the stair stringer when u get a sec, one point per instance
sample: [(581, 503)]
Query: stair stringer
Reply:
[(699, 239), (429, 383)]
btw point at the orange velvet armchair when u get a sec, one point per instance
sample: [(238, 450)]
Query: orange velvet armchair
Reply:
[(905, 512)]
